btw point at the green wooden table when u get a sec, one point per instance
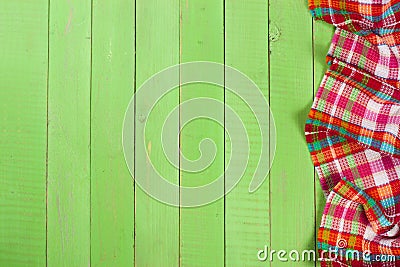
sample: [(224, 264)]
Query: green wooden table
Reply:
[(68, 69)]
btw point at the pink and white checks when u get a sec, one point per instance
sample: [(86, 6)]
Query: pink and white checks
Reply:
[(353, 133)]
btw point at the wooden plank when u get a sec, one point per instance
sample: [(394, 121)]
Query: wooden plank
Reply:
[(112, 190), (322, 36), (68, 241), (247, 215), (23, 87), (157, 42), (291, 92), (202, 228)]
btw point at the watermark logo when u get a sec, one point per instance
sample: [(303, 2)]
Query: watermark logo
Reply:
[(341, 243), (154, 182), (339, 253)]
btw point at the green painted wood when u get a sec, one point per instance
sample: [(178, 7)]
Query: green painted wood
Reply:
[(23, 86), (157, 47), (112, 190), (95, 214), (202, 228), (291, 92), (322, 36), (68, 218), (247, 215)]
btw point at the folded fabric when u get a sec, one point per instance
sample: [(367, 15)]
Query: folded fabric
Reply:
[(375, 20), (382, 61), (360, 181), (353, 134)]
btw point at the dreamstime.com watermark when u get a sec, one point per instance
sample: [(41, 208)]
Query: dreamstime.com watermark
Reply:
[(334, 254), (228, 82)]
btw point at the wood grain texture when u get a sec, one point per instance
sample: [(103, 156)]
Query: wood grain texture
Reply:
[(112, 190), (23, 86), (68, 218), (157, 43), (202, 228), (77, 64), (291, 92), (246, 215), (322, 36)]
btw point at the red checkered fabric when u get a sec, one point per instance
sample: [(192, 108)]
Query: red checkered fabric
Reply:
[(381, 61), (376, 20), (353, 134)]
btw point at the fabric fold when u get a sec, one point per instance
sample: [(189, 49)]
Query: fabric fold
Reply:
[(353, 133)]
